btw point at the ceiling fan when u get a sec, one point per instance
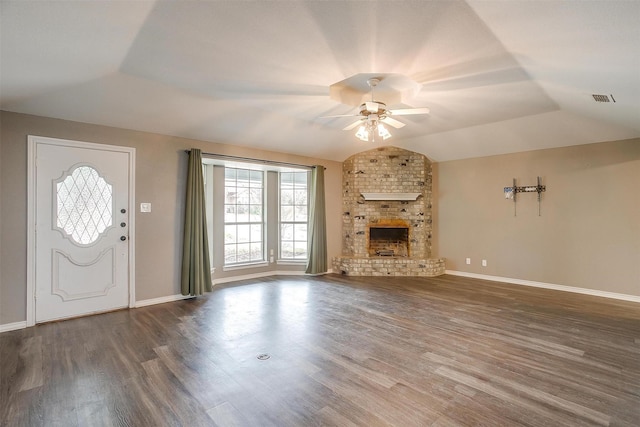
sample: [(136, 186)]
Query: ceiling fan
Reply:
[(373, 114)]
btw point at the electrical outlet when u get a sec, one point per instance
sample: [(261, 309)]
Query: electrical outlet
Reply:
[(484, 262), (145, 207), (468, 261)]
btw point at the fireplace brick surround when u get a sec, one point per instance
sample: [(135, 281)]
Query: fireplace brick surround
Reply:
[(387, 170)]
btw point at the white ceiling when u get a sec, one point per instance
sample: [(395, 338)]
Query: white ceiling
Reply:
[(498, 76)]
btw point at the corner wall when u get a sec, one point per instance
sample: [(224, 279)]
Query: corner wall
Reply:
[(588, 234), (161, 166)]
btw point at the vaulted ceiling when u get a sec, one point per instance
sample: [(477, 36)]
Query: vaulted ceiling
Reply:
[(498, 76)]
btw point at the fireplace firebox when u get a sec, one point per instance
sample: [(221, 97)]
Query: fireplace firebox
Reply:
[(389, 241)]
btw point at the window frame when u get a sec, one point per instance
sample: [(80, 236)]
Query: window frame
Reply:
[(281, 222), (263, 219)]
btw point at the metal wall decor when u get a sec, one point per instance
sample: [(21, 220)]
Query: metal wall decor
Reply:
[(510, 192)]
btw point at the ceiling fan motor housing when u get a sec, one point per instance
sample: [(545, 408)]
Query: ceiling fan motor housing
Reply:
[(381, 112)]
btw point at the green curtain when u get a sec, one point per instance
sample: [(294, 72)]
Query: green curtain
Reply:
[(196, 268), (317, 224)]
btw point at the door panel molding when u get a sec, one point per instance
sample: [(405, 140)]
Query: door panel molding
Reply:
[(59, 272), (33, 142)]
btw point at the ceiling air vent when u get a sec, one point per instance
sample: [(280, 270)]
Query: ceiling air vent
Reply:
[(603, 98)]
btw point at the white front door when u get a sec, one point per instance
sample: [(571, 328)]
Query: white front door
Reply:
[(82, 222)]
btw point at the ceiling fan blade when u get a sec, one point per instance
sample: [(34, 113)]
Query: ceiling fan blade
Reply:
[(409, 111), (353, 125), (339, 115), (372, 107), (392, 122)]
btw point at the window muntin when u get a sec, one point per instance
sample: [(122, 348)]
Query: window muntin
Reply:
[(243, 216), (294, 198)]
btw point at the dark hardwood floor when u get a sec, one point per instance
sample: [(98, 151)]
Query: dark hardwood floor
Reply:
[(445, 351)]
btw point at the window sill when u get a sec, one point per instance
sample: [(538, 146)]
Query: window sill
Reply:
[(292, 262), (245, 266)]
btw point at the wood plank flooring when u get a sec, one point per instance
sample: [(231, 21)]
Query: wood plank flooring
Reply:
[(367, 351)]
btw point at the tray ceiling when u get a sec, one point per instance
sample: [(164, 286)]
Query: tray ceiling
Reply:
[(498, 77)]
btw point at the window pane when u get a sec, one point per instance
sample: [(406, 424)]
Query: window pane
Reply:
[(243, 196), (301, 197), (242, 213), (256, 251), (286, 197), (301, 213), (286, 178), (229, 254), (300, 232), (255, 196), (301, 179), (244, 233), (230, 195), (286, 231), (300, 250), (256, 178), (286, 250), (286, 213), (230, 174), (244, 252), (230, 234), (243, 177), (229, 213), (255, 213), (256, 232)]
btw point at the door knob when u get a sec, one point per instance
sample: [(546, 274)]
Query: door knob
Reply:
[(123, 238)]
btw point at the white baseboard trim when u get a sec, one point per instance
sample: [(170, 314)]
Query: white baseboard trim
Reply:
[(257, 276), (161, 300), (13, 326), (594, 292)]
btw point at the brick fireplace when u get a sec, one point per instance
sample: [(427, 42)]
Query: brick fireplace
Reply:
[(387, 222)]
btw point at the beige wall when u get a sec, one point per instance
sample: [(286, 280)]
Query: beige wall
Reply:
[(160, 179), (588, 235)]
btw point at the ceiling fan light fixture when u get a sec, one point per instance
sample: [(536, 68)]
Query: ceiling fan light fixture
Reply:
[(368, 131), (362, 133), (383, 132)]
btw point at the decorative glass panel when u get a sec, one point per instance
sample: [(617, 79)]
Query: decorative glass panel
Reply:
[(84, 205)]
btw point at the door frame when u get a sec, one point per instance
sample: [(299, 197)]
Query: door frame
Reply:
[(32, 143)]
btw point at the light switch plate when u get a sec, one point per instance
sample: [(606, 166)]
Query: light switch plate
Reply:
[(145, 207)]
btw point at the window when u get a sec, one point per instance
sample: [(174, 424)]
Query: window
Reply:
[(243, 216), (257, 214), (293, 215)]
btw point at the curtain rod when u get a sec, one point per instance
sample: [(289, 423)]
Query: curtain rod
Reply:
[(250, 160)]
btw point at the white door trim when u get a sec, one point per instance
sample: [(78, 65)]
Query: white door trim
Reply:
[(32, 142)]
